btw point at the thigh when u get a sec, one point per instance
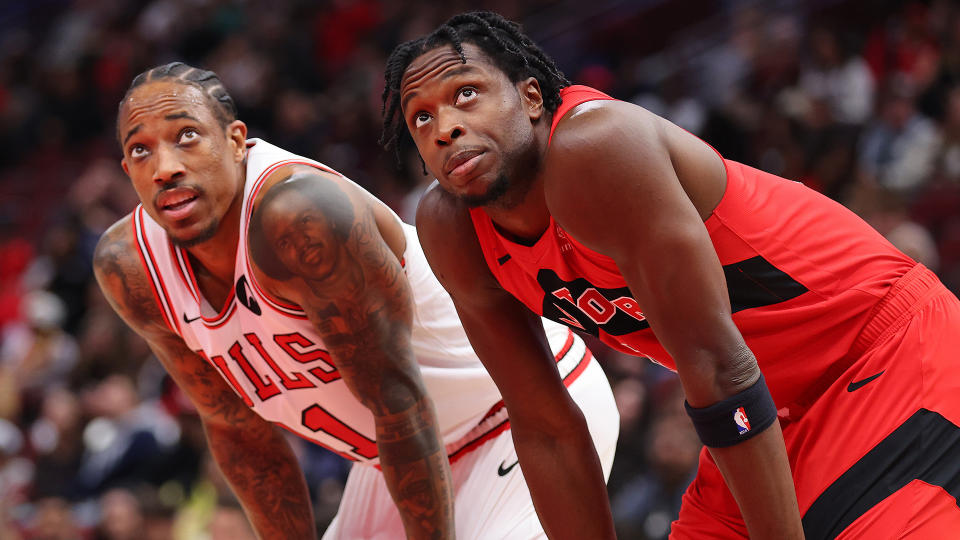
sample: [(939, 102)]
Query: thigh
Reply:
[(918, 511), (366, 509), (591, 392), (889, 428), (491, 499)]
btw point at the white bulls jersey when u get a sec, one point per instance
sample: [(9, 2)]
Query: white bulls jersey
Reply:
[(271, 355)]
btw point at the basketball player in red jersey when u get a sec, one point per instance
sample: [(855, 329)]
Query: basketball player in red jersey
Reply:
[(332, 327), (768, 299)]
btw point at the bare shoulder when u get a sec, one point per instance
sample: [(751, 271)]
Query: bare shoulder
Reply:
[(601, 129), (450, 243), (609, 171), (442, 219), (620, 147), (123, 280)]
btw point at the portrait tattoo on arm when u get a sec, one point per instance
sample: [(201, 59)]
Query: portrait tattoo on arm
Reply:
[(319, 236)]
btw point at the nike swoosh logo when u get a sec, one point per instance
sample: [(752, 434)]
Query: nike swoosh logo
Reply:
[(188, 321), (856, 385), (503, 471)]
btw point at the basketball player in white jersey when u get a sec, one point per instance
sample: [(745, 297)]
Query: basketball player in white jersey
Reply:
[(278, 293)]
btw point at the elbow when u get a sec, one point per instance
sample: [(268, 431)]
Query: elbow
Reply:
[(717, 376), (739, 370)]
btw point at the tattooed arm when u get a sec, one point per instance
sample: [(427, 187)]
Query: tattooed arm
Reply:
[(253, 455), (315, 238)]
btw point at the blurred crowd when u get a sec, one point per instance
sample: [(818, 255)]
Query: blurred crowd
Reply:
[(857, 99)]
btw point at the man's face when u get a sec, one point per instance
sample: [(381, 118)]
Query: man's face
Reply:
[(183, 164), (471, 124), (301, 236)]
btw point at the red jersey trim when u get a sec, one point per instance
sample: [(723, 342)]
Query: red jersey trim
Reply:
[(183, 270), (150, 265), (229, 306), (571, 96)]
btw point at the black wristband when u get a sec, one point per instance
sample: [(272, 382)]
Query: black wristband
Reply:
[(736, 418)]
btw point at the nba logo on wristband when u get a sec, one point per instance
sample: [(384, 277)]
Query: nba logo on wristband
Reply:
[(740, 418)]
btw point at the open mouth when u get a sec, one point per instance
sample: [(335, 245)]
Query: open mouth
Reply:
[(177, 202)]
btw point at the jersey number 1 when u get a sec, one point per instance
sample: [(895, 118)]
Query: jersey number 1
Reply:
[(316, 418)]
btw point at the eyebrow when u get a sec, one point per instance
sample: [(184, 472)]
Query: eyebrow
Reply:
[(459, 70), (131, 133), (179, 115), (172, 116)]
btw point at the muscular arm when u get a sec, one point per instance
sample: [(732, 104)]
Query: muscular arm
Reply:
[(252, 454), (321, 243), (557, 456), (613, 186)]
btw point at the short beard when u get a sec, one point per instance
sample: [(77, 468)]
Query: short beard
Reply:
[(504, 193), (205, 234), (497, 189)]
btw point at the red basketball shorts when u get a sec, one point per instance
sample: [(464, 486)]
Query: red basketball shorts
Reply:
[(877, 454)]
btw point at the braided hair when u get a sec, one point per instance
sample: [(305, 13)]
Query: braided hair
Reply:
[(224, 108), (503, 41)]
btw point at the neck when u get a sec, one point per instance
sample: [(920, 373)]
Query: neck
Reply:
[(526, 220), (217, 256)]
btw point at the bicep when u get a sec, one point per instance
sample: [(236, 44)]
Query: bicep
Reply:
[(348, 281), (637, 212)]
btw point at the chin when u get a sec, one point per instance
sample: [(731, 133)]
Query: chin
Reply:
[(196, 239), (495, 190)]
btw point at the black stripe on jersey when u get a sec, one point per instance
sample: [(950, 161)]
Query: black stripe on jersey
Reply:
[(925, 447), (755, 283), (751, 283)]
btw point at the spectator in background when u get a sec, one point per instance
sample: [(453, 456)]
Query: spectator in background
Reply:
[(897, 150), (948, 148), (16, 470), (125, 439), (52, 519), (839, 77), (64, 66), (121, 516), (56, 439), (229, 523), (37, 353)]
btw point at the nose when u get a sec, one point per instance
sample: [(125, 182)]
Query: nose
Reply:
[(449, 130), (169, 167)]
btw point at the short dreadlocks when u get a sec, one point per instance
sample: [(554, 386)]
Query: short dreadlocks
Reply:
[(503, 41)]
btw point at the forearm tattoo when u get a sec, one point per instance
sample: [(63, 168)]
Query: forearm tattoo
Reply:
[(255, 459)]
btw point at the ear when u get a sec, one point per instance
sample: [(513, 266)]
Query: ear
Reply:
[(123, 164), (531, 96), (237, 136)]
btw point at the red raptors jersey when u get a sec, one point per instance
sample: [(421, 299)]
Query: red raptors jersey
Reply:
[(803, 273)]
